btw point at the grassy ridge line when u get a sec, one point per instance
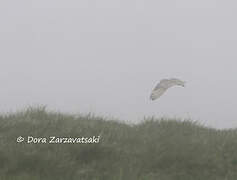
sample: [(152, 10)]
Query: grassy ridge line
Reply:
[(162, 149)]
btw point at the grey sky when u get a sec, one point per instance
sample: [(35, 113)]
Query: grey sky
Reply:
[(106, 56)]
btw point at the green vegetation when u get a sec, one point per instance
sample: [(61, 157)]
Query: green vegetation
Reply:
[(156, 149)]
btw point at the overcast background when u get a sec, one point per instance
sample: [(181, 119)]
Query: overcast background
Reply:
[(106, 56)]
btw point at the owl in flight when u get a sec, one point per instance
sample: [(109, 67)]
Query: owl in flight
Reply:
[(163, 85)]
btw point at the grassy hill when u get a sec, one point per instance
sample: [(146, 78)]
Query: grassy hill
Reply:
[(156, 149)]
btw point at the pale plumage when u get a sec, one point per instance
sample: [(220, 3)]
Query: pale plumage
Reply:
[(163, 85)]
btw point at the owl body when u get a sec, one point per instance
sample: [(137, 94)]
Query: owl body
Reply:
[(163, 85)]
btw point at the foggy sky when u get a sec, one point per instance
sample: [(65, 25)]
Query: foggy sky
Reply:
[(106, 56)]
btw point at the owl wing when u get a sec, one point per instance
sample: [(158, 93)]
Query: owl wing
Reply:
[(157, 92)]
